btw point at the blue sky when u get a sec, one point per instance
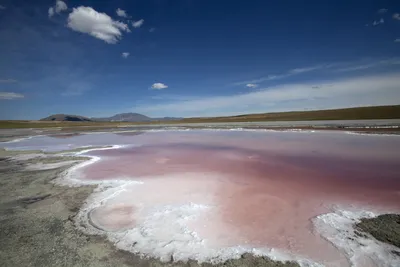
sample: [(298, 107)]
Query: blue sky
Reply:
[(196, 57)]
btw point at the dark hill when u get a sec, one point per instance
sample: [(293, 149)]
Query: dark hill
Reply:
[(65, 117), (133, 117)]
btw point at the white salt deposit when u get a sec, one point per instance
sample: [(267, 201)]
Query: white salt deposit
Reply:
[(48, 166), (71, 177), (162, 231), (372, 134), (337, 227), (29, 156), (19, 139)]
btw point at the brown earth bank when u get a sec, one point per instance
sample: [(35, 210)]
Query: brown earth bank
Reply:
[(357, 113), (37, 226)]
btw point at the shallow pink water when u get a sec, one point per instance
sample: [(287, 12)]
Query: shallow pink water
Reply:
[(264, 187), (261, 189)]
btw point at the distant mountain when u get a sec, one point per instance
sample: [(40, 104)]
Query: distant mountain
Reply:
[(167, 119), (125, 117), (65, 117), (133, 117)]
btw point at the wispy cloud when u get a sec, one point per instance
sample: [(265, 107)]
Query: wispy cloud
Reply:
[(125, 54), (61, 6), (397, 40), (377, 22), (169, 97), (99, 25), (51, 12), (57, 8), (8, 81), (2, 7), (137, 24), (331, 67), (251, 85), (381, 63), (382, 10), (307, 69), (121, 13), (158, 86), (10, 95), (396, 16), (152, 29), (77, 89), (289, 73), (373, 90)]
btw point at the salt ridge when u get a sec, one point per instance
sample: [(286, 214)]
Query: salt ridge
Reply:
[(337, 228)]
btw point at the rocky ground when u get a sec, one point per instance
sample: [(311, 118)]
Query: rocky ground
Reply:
[(385, 228)]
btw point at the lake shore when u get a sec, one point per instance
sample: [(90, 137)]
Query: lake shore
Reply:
[(70, 130)]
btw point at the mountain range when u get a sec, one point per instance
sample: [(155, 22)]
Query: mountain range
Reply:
[(124, 117)]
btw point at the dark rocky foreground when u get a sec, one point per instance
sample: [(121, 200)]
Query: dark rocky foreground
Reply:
[(385, 228), (37, 224)]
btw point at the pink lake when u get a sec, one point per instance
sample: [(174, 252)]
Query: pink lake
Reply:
[(210, 194)]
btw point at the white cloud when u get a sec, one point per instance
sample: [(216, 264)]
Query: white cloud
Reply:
[(57, 8), (99, 25), (152, 29), (396, 16), (359, 91), (377, 22), (158, 86), (10, 95), (2, 7), (8, 81), (397, 40), (382, 10), (251, 85), (137, 24), (51, 12), (60, 6), (121, 13), (125, 54)]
